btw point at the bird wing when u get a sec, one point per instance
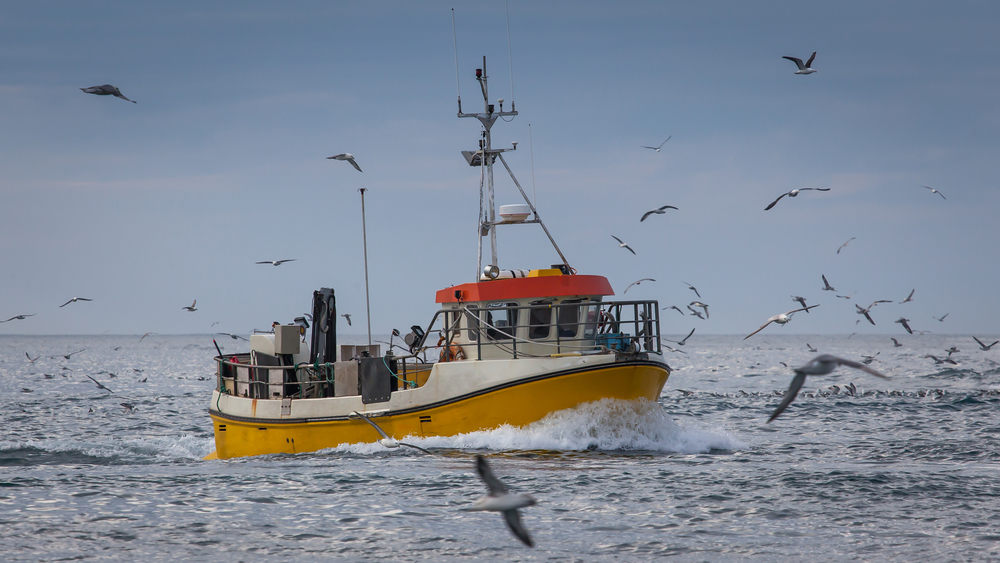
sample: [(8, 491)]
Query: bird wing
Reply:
[(627, 288), (806, 309), (66, 303), (355, 164), (860, 366), (769, 321), (629, 248), (663, 143), (980, 342), (692, 288), (495, 486), (797, 61), (867, 316), (289, 260), (793, 391), (620, 241), (775, 202), (686, 337), (827, 283), (810, 61), (910, 296), (513, 519), (375, 426), (646, 214), (665, 207)]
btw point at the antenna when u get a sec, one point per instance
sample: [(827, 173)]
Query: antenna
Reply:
[(510, 60), (531, 149), (458, 86)]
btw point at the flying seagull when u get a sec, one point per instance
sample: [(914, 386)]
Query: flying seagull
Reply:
[(952, 350), (128, 408), (803, 68), (800, 300), (903, 322), (233, 336), (386, 440), (867, 309), (793, 193), (39, 356), (781, 319), (499, 499), (810, 347), (699, 304), (623, 244), (820, 365), (908, 297), (657, 149), (348, 317), (675, 307), (983, 347), (692, 288), (74, 300), (845, 244), (657, 211), (68, 356), (348, 157), (637, 283), (682, 341), (277, 262), (695, 313), (189, 309), (942, 360), (106, 90), (22, 317), (145, 335), (935, 191), (895, 343), (100, 385), (826, 284), (941, 320)]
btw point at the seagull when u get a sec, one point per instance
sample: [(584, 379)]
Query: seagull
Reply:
[(700, 304), (348, 317), (39, 356), (100, 385), (277, 262), (952, 350), (67, 356), (18, 317), (74, 300), (129, 407), (983, 347), (189, 309), (386, 440), (845, 244), (657, 149), (692, 288), (780, 319), (682, 341), (657, 211), (942, 360), (233, 336), (348, 157), (793, 193), (499, 499), (622, 244), (810, 347), (106, 90), (868, 308), (826, 284), (695, 313), (896, 343), (800, 300), (865, 359), (803, 68), (820, 365), (145, 335), (903, 322), (941, 320), (675, 307), (637, 283), (908, 297), (847, 296), (935, 191)]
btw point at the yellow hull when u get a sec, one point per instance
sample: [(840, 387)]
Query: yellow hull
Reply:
[(516, 405)]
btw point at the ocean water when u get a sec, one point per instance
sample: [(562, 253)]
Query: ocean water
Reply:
[(902, 470)]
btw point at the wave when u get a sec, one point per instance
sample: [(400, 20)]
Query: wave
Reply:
[(137, 451)]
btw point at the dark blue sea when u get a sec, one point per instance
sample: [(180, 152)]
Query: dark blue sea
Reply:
[(900, 470)]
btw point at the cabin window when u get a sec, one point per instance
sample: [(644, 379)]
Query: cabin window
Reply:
[(568, 318), (501, 320), (591, 314), (539, 319), (472, 322)]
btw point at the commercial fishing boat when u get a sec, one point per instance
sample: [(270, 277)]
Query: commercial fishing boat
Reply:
[(510, 347)]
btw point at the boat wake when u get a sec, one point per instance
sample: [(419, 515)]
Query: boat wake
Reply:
[(605, 425), (137, 451)]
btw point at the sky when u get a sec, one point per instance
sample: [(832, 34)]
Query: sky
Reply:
[(221, 163)]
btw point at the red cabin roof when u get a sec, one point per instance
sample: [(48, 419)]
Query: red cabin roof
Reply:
[(521, 288)]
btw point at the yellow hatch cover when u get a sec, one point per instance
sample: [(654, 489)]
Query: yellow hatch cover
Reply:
[(544, 273)]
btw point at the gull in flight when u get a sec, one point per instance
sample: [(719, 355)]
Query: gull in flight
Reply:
[(699, 304), (386, 441), (499, 499), (935, 191), (941, 320), (903, 322), (810, 347), (637, 283), (39, 356), (145, 335), (866, 310), (106, 90), (233, 336), (820, 365), (896, 343), (781, 319), (191, 308), (942, 360), (623, 244), (100, 385), (68, 356), (845, 244), (983, 347), (908, 297), (74, 300), (348, 317), (683, 341), (800, 300), (657, 149), (826, 284), (657, 211), (348, 157), (675, 307), (692, 288), (22, 317), (793, 193), (952, 350), (276, 262), (803, 68), (129, 408), (695, 313)]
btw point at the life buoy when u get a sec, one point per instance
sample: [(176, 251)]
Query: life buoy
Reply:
[(452, 352)]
